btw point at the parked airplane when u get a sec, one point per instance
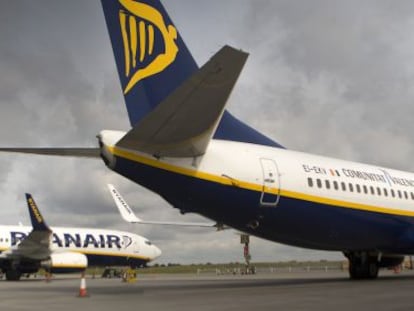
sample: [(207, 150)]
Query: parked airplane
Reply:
[(25, 250), (186, 147)]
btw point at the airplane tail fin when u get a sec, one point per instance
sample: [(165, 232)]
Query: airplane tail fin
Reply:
[(151, 57), (153, 61), (36, 217)]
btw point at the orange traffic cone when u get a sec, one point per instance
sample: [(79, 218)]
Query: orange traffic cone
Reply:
[(82, 289)]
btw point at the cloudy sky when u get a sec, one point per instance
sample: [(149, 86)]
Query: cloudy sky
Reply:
[(328, 77)]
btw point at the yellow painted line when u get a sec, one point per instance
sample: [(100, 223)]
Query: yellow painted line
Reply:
[(122, 21), (254, 187), (150, 39), (142, 41)]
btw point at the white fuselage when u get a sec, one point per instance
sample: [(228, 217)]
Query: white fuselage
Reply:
[(94, 243), (255, 184), (240, 165)]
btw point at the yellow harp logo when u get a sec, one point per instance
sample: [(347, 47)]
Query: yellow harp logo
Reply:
[(36, 212), (132, 20)]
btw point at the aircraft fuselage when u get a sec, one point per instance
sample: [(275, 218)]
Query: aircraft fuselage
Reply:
[(281, 195)]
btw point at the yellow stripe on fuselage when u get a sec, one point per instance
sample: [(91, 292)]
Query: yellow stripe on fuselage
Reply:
[(255, 187), (108, 254), (181, 170), (71, 266), (100, 253)]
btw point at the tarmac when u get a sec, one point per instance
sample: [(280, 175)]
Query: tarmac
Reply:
[(320, 290)]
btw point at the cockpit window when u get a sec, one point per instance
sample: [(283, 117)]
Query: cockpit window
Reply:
[(148, 242)]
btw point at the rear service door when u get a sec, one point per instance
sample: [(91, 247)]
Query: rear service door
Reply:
[(270, 188)]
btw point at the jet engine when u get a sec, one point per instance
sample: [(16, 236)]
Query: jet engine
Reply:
[(68, 261)]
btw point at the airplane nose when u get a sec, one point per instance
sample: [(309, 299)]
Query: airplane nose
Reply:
[(157, 252)]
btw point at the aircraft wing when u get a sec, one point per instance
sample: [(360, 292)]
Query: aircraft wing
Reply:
[(36, 245), (68, 152), (129, 216), (167, 131)]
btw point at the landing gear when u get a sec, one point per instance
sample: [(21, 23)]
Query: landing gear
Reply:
[(13, 275), (245, 239), (367, 270), (362, 265)]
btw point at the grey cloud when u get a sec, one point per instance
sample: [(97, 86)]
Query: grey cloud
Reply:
[(329, 72), (328, 77)]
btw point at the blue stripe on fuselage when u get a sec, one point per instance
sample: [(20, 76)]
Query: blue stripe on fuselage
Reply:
[(95, 260), (106, 260), (294, 221)]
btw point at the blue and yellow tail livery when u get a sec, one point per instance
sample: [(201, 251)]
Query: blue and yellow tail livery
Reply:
[(151, 57), (153, 61), (36, 217)]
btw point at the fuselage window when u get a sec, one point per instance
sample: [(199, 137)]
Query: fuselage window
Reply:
[(351, 187), (406, 195), (392, 193), (385, 192), (412, 196), (358, 188), (343, 186), (319, 183), (335, 184), (378, 191), (372, 189), (327, 184), (365, 189), (310, 182), (399, 194)]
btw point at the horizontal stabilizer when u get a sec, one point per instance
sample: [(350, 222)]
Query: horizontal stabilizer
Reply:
[(183, 124), (129, 216), (67, 152)]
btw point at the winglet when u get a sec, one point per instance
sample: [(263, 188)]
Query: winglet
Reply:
[(129, 216), (36, 217), (123, 207)]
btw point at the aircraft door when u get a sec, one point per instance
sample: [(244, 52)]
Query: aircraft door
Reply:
[(271, 189)]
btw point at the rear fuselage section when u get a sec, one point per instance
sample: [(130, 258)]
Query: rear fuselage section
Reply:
[(281, 195)]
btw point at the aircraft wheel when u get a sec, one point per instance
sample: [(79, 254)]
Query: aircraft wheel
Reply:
[(359, 269), (13, 275), (372, 272)]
